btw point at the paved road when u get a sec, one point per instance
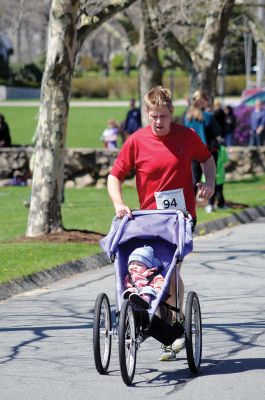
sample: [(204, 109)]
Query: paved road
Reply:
[(46, 335)]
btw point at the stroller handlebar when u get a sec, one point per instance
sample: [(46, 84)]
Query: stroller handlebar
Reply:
[(146, 212)]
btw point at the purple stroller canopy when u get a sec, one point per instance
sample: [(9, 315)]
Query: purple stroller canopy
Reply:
[(169, 225)]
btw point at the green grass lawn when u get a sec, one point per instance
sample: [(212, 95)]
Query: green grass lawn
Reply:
[(83, 210), (85, 124)]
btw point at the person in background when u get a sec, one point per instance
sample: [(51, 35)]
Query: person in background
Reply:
[(219, 181), (257, 123), (133, 120), (110, 135), (230, 124), (5, 138), (219, 115), (203, 122)]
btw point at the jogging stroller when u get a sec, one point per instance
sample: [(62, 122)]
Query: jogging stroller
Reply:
[(169, 232)]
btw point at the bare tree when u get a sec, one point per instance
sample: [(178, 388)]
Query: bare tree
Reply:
[(253, 12), (192, 32), (70, 23), (200, 52), (25, 23), (206, 56)]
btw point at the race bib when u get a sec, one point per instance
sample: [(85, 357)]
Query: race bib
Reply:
[(170, 199)]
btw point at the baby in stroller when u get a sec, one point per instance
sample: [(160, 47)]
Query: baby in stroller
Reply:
[(143, 281), (142, 285)]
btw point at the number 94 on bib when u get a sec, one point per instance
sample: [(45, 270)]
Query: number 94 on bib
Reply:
[(170, 200)]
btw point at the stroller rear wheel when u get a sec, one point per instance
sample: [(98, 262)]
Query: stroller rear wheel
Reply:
[(102, 333), (127, 342), (193, 331)]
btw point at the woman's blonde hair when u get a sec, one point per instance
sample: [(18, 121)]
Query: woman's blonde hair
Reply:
[(200, 95), (158, 97), (195, 111)]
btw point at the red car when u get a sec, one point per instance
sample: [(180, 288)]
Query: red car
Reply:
[(251, 92)]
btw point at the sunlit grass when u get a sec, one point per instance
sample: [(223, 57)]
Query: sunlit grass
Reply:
[(22, 259), (84, 128)]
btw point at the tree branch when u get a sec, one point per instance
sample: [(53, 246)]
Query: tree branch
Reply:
[(91, 22)]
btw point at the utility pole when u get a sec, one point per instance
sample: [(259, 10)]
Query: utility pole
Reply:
[(248, 54), (260, 53)]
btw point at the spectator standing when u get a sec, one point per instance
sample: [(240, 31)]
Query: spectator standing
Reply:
[(5, 138), (257, 124), (133, 120), (219, 115), (110, 135), (203, 121), (220, 180), (230, 124)]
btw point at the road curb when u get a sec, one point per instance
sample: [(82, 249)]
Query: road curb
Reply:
[(243, 217), (46, 277)]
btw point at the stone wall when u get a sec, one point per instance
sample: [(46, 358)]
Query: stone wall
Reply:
[(245, 162), (88, 167)]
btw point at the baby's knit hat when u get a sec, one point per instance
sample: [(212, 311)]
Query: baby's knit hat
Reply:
[(145, 255)]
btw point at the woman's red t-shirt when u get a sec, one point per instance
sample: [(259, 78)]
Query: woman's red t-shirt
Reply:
[(161, 163)]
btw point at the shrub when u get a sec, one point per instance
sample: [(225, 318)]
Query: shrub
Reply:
[(234, 84), (4, 68), (180, 86), (123, 87), (119, 86), (117, 62), (88, 64), (26, 75), (85, 87)]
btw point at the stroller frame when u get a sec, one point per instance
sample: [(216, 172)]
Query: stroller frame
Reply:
[(169, 232)]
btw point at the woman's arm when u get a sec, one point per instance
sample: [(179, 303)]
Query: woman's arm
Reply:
[(206, 190), (115, 193)]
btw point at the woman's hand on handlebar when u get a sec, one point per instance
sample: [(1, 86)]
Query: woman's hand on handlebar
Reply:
[(122, 210)]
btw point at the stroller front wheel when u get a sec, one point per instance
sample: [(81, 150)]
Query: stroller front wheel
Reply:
[(102, 333), (193, 332), (127, 342)]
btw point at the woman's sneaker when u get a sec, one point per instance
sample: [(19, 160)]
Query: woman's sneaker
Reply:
[(167, 354), (178, 345)]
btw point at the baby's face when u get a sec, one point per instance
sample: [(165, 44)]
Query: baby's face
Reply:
[(137, 266)]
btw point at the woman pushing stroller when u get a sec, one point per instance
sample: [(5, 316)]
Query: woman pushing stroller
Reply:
[(161, 155)]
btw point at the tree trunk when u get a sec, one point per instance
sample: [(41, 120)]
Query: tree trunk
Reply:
[(150, 69), (67, 33), (45, 206), (207, 55)]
